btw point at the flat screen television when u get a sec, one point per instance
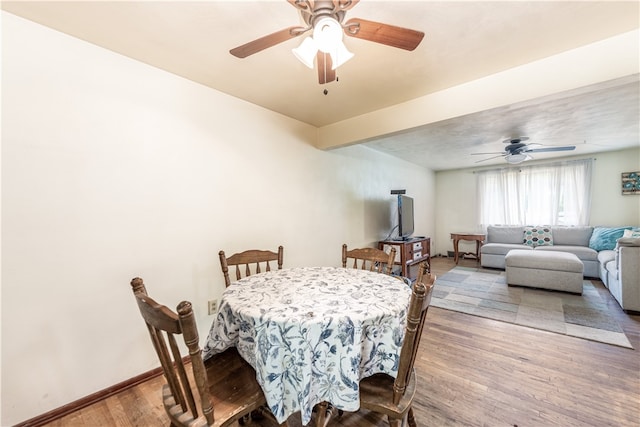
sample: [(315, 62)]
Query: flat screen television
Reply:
[(405, 217)]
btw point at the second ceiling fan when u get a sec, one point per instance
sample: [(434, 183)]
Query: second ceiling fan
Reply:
[(327, 20), (517, 151)]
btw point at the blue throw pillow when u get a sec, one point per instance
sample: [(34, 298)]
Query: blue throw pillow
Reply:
[(604, 238)]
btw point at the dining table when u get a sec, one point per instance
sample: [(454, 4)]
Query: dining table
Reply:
[(312, 333)]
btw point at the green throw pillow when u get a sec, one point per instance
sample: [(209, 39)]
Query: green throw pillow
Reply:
[(604, 238)]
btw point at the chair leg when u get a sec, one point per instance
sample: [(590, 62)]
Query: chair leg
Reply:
[(394, 422), (259, 414), (411, 419), (325, 411), (321, 414), (264, 412)]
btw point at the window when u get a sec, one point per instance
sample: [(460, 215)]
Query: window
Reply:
[(552, 194)]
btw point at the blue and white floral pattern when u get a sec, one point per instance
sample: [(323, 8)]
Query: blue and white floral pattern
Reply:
[(312, 333)]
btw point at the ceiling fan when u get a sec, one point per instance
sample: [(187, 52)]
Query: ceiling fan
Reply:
[(517, 151), (326, 19)]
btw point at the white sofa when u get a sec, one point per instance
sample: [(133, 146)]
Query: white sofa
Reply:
[(618, 268), (503, 238), (620, 272)]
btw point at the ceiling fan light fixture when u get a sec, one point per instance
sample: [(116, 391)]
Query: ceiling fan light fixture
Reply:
[(340, 55), (306, 52), (327, 33), (515, 159), (327, 38), (326, 20)]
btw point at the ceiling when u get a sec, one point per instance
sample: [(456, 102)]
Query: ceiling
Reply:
[(464, 41)]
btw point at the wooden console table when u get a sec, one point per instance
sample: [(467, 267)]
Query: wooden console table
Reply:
[(410, 253), (478, 238)]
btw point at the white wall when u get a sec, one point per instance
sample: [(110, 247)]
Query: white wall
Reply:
[(112, 169), (456, 198), (609, 206)]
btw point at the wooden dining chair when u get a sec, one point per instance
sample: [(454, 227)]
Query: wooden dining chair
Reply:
[(252, 261), (382, 393), (371, 259), (424, 268), (216, 392)]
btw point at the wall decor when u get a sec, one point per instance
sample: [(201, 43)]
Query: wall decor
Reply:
[(631, 183)]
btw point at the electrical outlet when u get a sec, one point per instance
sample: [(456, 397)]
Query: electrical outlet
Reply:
[(213, 306)]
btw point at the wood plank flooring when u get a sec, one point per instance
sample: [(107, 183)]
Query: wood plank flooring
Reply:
[(472, 372)]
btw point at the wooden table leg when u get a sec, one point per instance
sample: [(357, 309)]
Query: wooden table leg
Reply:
[(455, 250), (478, 238), (325, 411)]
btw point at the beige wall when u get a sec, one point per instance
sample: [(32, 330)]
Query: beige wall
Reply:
[(112, 169), (456, 198)]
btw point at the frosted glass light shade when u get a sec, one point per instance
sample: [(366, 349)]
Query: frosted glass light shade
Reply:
[(514, 159), (340, 55), (306, 52), (327, 33)]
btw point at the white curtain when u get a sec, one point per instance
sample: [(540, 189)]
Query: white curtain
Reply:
[(553, 194)]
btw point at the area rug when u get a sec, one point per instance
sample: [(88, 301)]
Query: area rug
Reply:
[(485, 293)]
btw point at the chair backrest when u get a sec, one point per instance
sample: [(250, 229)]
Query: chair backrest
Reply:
[(371, 259), (252, 261), (163, 325), (423, 268), (416, 315)]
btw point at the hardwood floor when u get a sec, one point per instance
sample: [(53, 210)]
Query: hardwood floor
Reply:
[(472, 372)]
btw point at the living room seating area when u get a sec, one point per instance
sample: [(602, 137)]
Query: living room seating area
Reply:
[(611, 254)]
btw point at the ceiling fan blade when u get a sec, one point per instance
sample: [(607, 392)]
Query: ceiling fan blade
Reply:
[(547, 149), (325, 73), (489, 158), (389, 35), (262, 43)]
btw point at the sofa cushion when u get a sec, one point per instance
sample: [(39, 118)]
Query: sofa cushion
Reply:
[(538, 236), (604, 238), (582, 252), (612, 268), (502, 248), (573, 236), (505, 234), (605, 256)]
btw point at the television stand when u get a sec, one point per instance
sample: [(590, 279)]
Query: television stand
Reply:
[(407, 239), (409, 254)]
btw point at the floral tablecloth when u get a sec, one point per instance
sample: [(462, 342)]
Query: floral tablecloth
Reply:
[(312, 333)]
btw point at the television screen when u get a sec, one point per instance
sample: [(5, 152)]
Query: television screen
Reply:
[(405, 216)]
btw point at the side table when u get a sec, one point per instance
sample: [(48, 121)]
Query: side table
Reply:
[(478, 238)]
